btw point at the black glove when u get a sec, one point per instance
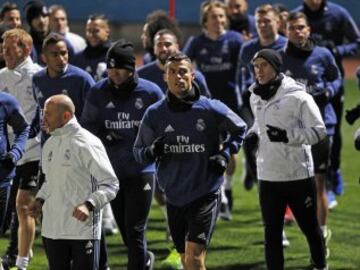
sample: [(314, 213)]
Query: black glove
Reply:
[(276, 134), (8, 161), (156, 149), (251, 141), (357, 143), (110, 138), (321, 95), (352, 115), (218, 163)]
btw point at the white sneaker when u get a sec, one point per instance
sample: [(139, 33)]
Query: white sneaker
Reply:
[(285, 241)]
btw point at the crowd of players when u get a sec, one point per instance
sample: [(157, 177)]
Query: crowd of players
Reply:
[(279, 78)]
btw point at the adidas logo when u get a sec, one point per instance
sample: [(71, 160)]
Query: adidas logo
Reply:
[(40, 95), (147, 187), (202, 236), (110, 105), (88, 245), (169, 128), (322, 166), (308, 202)]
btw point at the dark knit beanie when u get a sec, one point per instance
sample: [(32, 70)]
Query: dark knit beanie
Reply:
[(34, 9), (121, 55), (271, 56)]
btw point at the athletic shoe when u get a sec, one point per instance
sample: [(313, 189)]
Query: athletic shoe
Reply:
[(285, 241), (338, 182), (288, 217), (225, 213), (332, 202), (172, 261), (248, 182), (8, 261), (229, 196), (327, 236), (150, 261)]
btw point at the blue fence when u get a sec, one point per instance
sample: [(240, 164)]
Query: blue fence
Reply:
[(187, 11)]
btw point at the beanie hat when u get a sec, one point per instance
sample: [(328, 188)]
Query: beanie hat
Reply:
[(121, 55), (34, 9), (271, 56)]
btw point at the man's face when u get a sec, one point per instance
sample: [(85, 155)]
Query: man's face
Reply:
[(52, 118), (313, 4), (12, 18), (237, 8), (267, 25), (216, 21), (298, 31), (179, 76), (164, 46), (97, 32), (56, 57), (118, 75), (13, 53), (58, 21), (264, 72), (41, 23)]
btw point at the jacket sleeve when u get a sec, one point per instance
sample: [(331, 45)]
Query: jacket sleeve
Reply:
[(233, 125), (89, 116), (352, 35), (20, 127), (96, 161), (311, 128), (145, 137)]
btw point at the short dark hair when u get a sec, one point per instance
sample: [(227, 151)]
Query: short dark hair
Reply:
[(177, 57), (166, 32), (297, 15), (52, 38), (6, 7)]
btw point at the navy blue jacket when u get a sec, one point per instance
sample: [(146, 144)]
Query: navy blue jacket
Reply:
[(11, 114), (116, 121), (332, 26), (191, 137), (317, 68), (74, 82), (218, 61), (153, 73)]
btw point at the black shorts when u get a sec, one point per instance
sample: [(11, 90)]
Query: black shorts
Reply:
[(321, 155), (27, 175), (194, 222)]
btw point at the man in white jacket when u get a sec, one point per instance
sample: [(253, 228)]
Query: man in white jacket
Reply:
[(16, 79), (79, 182), (287, 122)]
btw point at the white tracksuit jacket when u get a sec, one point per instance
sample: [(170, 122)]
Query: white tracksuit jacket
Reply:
[(292, 109), (77, 169), (18, 82)]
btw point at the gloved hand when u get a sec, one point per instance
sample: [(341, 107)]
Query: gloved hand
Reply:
[(156, 149), (321, 95), (276, 134), (218, 163), (352, 115), (8, 161), (251, 141)]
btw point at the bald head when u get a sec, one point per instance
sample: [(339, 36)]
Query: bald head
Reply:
[(58, 110), (63, 103)]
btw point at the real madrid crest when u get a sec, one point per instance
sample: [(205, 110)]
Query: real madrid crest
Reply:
[(200, 125), (139, 103)]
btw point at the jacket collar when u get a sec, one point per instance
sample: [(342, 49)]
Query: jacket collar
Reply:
[(69, 127)]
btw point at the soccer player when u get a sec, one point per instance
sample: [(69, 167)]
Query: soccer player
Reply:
[(16, 79), (10, 15), (182, 134), (287, 122), (113, 111), (79, 182), (215, 53), (333, 27), (315, 67)]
